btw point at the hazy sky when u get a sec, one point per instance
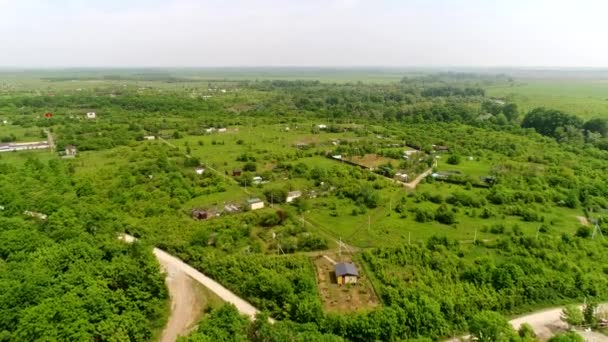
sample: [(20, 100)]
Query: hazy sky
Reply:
[(47, 33)]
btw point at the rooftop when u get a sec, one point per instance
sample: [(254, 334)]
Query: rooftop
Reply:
[(346, 268)]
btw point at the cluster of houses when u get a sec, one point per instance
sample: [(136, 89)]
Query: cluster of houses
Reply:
[(231, 208)]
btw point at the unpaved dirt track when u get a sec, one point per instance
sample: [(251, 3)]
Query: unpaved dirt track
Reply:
[(174, 263), (547, 323), (185, 303)]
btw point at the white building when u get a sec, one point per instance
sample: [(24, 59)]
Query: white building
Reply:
[(403, 177), (255, 203), (292, 195), (221, 130), (91, 115), (200, 170), (149, 137), (322, 126), (257, 180), (10, 147), (70, 151)]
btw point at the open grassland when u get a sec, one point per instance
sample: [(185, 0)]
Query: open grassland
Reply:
[(585, 98)]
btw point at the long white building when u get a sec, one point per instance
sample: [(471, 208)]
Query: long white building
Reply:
[(36, 145)]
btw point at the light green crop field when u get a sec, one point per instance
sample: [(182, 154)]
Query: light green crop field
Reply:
[(585, 98)]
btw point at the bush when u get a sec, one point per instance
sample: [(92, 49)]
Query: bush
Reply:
[(583, 232), (250, 167), (454, 159), (445, 215)]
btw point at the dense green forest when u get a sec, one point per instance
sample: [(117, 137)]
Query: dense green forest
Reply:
[(497, 235)]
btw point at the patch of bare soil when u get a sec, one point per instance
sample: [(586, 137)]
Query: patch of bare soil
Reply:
[(186, 305), (342, 298)]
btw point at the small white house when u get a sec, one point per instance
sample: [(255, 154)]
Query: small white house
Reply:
[(255, 203), (337, 156), (70, 151), (35, 215), (322, 126), (223, 90), (199, 170), (292, 195), (149, 137), (91, 115), (257, 180), (221, 130)]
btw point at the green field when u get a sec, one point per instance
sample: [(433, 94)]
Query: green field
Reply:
[(585, 98)]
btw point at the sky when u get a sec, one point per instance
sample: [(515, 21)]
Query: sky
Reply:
[(325, 33)]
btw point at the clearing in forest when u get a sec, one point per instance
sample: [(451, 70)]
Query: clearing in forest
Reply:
[(343, 298)]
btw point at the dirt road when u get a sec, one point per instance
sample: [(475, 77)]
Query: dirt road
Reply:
[(185, 302), (413, 184), (546, 323), (186, 307)]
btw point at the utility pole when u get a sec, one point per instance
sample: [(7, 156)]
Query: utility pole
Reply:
[(475, 237), (409, 238), (369, 224)]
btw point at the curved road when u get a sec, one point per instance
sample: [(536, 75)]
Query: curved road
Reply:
[(185, 308), (547, 323)]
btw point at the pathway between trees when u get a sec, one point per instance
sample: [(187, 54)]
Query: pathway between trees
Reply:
[(183, 295)]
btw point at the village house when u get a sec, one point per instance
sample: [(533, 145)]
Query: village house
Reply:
[(292, 195), (70, 151), (257, 180), (402, 177), (346, 273), (35, 215), (9, 147), (222, 130), (199, 170), (237, 172), (91, 115), (322, 126), (202, 214), (255, 203), (441, 148), (231, 208), (149, 137)]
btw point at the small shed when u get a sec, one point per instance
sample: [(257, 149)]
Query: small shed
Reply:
[(441, 148), (292, 195), (322, 126), (200, 170), (149, 137), (222, 130), (200, 214), (255, 203), (257, 180), (237, 172), (346, 273), (91, 115)]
